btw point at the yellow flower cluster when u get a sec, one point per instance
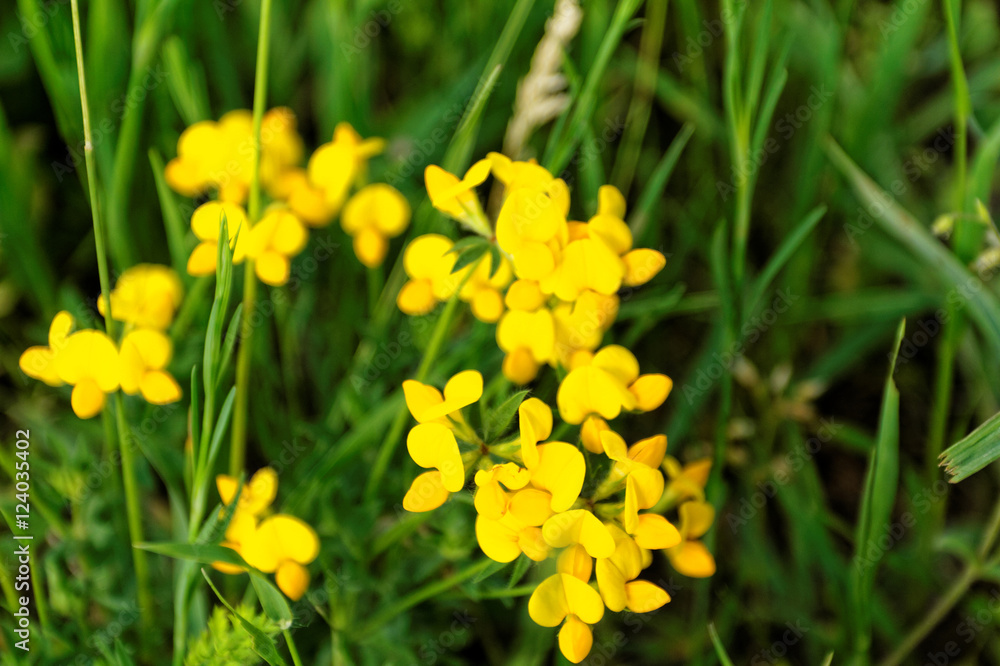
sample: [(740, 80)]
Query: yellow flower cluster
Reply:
[(528, 497), (217, 157), (277, 543), (554, 294), (144, 299)]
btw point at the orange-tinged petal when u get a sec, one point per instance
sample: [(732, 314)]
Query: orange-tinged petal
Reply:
[(654, 532), (370, 247), (575, 561), (426, 493), (650, 391), (649, 451), (692, 559), (432, 445), (696, 518), (575, 639), (87, 399), (292, 579), (531, 543), (520, 367), (645, 597)]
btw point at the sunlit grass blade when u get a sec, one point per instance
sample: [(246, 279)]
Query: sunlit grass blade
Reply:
[(971, 454)]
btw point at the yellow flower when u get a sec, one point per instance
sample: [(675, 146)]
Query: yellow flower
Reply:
[(531, 229), (690, 557), (428, 261), (580, 326), (307, 201), (272, 243), (145, 296), (200, 157), (283, 545), (515, 175), (535, 425), (616, 578), (432, 445), (457, 198), (491, 500), (39, 362), (505, 539), (87, 360), (372, 216), (686, 482), (257, 495), (145, 354), (281, 146), (335, 166), (564, 597), (428, 405), (482, 292), (205, 223), (609, 384), (579, 526), (643, 482)]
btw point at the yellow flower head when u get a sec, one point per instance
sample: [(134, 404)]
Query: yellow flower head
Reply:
[(492, 500), (457, 198), (39, 362), (372, 216), (580, 326), (307, 201), (273, 242), (89, 362), (686, 482), (145, 354), (428, 261), (257, 495), (205, 223), (579, 526), (145, 296), (283, 545), (643, 483), (531, 229), (505, 539), (564, 597), (690, 557), (609, 384), (337, 165), (528, 339), (616, 578)]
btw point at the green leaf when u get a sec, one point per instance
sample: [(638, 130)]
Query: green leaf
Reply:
[(521, 567), (272, 601), (720, 650), (876, 507), (977, 450), (489, 570), (196, 552), (470, 253), (261, 643), (498, 419)]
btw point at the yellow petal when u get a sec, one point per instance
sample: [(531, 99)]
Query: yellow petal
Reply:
[(649, 451), (611, 583), (461, 391), (696, 518), (654, 532), (575, 561), (370, 247), (490, 500), (534, 331), (159, 387), (293, 579), (579, 526), (524, 295), (378, 206), (650, 391), (575, 639), (91, 355), (87, 399), (153, 347), (428, 256), (207, 218), (591, 431), (641, 266), (272, 268), (610, 201), (512, 475), (497, 541), (278, 539), (487, 305), (614, 445), (590, 390), (202, 259), (432, 445), (560, 595), (560, 470), (530, 506), (39, 363), (618, 361), (535, 423), (426, 493), (290, 235), (416, 297), (531, 543), (519, 366), (420, 398), (588, 264), (611, 231), (692, 559), (645, 597)]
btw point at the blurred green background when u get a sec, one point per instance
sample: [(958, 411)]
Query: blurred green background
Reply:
[(747, 106)]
